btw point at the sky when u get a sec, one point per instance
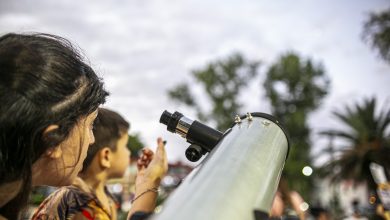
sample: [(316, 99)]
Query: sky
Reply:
[(143, 48)]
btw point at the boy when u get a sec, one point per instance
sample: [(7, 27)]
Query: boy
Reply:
[(108, 157)]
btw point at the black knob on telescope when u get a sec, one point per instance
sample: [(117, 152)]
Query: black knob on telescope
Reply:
[(194, 153)]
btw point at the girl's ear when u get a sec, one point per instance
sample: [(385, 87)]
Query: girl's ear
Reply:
[(105, 157), (49, 129), (53, 152)]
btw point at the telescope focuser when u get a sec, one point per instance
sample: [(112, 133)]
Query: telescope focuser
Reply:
[(201, 137)]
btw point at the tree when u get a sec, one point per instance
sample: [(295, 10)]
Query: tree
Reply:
[(222, 81), (135, 144), (367, 141), (295, 88), (377, 33)]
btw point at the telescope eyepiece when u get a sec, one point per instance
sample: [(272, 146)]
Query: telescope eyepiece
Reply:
[(165, 117), (170, 120)]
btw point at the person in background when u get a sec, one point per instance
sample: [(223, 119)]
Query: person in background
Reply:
[(286, 202), (319, 213)]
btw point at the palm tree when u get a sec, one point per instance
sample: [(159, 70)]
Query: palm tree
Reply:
[(367, 139)]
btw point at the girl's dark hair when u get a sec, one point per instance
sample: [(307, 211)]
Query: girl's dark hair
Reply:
[(108, 128), (43, 81)]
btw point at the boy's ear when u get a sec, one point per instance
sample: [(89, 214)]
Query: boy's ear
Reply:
[(105, 157), (54, 152)]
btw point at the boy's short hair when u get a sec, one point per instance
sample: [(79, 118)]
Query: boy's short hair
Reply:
[(108, 128)]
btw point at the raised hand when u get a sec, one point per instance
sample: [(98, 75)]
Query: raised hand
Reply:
[(152, 167)]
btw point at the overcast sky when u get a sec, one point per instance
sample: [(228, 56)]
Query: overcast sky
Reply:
[(142, 48)]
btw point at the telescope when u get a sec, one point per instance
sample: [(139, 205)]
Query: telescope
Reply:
[(238, 178)]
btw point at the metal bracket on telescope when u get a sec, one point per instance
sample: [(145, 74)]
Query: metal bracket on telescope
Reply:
[(267, 120), (237, 119)]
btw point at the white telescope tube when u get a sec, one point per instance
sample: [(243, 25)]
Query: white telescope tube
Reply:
[(238, 179)]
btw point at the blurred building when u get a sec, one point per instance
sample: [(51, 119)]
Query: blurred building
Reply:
[(176, 173), (347, 195)]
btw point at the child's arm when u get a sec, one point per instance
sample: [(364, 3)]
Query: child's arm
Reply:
[(151, 170)]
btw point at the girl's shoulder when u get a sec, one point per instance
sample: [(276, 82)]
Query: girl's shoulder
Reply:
[(62, 204)]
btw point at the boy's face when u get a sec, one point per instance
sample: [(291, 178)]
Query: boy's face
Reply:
[(120, 158)]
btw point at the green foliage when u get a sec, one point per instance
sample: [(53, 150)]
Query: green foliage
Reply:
[(182, 93), (367, 138), (40, 193), (222, 82), (295, 88), (135, 144), (36, 198), (377, 33)]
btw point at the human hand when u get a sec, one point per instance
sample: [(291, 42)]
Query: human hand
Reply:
[(152, 167), (145, 158)]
